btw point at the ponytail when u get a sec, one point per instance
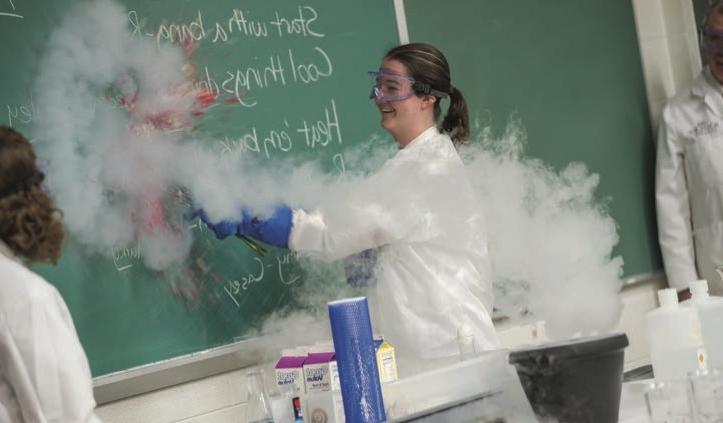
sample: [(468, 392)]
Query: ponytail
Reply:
[(456, 122)]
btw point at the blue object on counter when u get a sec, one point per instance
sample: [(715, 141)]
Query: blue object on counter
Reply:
[(361, 390)]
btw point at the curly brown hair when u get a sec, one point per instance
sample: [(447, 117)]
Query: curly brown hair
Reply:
[(29, 223)]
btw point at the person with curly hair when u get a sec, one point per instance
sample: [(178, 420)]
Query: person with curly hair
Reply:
[(44, 373)]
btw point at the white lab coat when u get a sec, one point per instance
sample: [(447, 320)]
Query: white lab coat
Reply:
[(432, 270), (689, 185), (44, 374)]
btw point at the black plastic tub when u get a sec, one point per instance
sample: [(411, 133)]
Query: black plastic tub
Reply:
[(575, 381)]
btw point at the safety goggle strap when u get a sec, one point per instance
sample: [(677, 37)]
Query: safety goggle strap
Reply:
[(422, 88)]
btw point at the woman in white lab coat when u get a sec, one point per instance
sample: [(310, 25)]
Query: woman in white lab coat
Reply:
[(417, 220), (44, 374)]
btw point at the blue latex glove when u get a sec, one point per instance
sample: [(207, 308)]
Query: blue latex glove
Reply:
[(222, 229), (274, 231)]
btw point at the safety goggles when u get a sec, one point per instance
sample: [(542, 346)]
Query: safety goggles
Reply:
[(391, 86), (711, 40)]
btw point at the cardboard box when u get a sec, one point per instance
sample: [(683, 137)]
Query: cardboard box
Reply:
[(289, 370), (321, 372)]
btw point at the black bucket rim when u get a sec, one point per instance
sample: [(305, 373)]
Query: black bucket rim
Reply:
[(592, 345)]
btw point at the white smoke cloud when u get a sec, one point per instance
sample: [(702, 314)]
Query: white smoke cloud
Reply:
[(114, 174), (117, 114), (550, 240)]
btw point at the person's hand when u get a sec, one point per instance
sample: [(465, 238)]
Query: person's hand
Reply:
[(274, 230), (684, 295)]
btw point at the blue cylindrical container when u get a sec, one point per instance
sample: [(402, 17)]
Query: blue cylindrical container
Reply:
[(361, 391)]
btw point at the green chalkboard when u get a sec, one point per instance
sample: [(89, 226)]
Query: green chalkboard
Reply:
[(699, 9), (570, 71), (316, 93)]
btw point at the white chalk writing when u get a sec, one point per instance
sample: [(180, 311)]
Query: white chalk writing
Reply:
[(10, 10), (137, 25), (322, 131), (180, 33), (338, 161), (22, 113), (299, 25), (274, 70), (312, 134), (311, 72), (282, 261), (240, 23), (124, 258), (236, 288), (245, 81)]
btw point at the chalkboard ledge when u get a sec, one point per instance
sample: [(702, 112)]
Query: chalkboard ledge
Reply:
[(643, 278), (165, 373), (239, 355)]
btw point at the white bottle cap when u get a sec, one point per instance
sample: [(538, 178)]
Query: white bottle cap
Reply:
[(668, 298), (699, 288)]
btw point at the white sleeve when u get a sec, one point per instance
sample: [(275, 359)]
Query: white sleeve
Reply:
[(675, 232), (56, 368), (368, 216), (329, 238)]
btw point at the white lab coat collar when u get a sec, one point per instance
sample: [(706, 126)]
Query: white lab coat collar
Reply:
[(426, 134), (6, 251), (708, 75), (708, 89)]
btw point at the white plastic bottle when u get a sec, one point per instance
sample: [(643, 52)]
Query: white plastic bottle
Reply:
[(674, 337), (258, 407), (710, 314)]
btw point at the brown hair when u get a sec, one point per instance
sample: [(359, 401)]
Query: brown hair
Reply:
[(427, 65), (29, 223)]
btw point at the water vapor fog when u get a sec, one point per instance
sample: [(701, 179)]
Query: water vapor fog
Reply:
[(118, 115), (117, 132), (550, 240)]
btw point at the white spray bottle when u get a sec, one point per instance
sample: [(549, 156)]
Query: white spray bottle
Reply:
[(674, 337), (710, 314)]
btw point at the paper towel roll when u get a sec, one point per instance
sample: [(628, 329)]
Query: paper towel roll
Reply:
[(361, 390)]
